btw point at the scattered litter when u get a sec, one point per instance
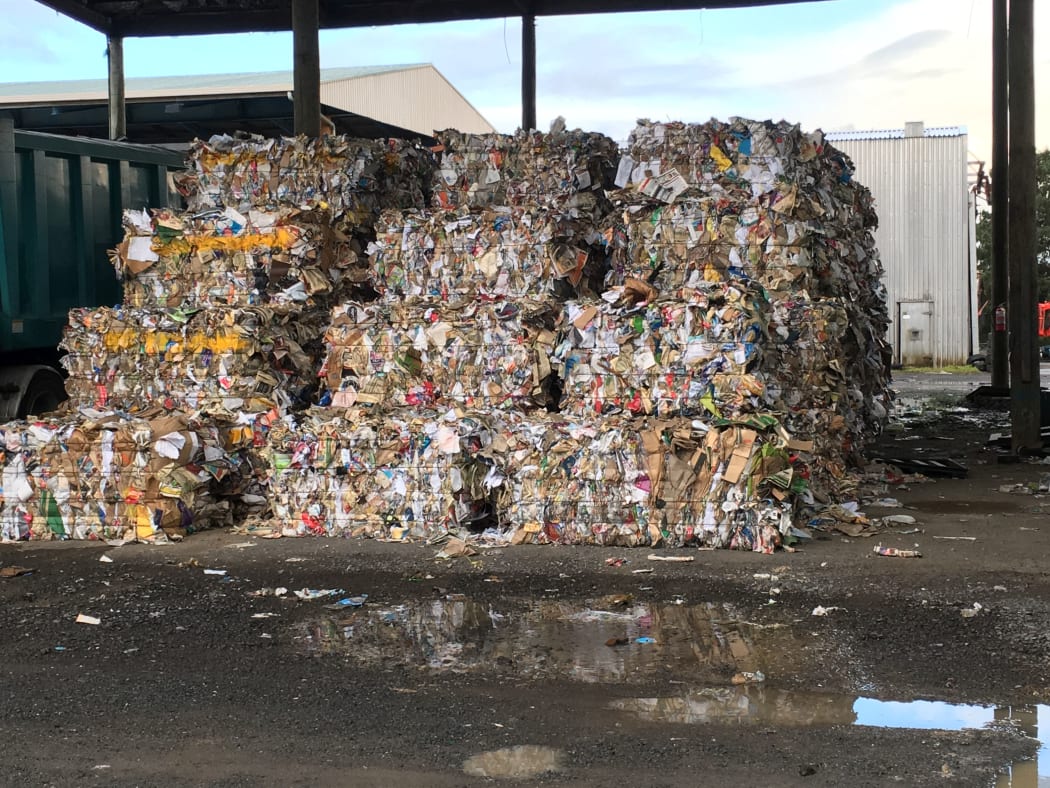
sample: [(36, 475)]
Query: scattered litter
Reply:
[(999, 588), (887, 503), (85, 619), (958, 538), (820, 610), (105, 559), (455, 548), (15, 571), (216, 572), (899, 519), (641, 571), (929, 466), (897, 553), (749, 677), (645, 640), (671, 558), (970, 612), (242, 545), (307, 594), (350, 601), (264, 615), (910, 531), (616, 642), (615, 561)]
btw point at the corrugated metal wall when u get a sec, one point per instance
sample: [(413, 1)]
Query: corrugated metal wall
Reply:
[(925, 238), (419, 99)]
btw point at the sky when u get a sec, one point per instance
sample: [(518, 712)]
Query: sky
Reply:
[(834, 65)]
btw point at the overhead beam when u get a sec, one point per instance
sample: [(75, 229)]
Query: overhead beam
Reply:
[(273, 15)]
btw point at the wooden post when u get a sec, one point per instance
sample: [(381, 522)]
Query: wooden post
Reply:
[(1000, 195), (528, 72), (118, 124), (1024, 349), (306, 58)]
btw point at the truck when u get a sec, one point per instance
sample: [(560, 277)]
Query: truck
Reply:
[(61, 203)]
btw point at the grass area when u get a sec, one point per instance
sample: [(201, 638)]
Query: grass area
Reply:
[(951, 369)]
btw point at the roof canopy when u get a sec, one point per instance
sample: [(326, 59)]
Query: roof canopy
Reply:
[(134, 18)]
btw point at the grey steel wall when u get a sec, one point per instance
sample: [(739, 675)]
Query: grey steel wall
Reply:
[(925, 236)]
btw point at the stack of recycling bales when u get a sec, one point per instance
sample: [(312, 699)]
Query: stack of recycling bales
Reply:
[(764, 292), (679, 346), (220, 334), (457, 346), (674, 362)]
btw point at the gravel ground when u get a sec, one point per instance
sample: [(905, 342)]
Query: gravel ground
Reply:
[(193, 679)]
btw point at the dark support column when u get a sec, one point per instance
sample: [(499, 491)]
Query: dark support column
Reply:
[(528, 72), (118, 124), (1000, 195), (306, 58), (1024, 349)]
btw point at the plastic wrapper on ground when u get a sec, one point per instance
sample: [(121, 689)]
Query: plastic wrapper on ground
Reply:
[(100, 475)]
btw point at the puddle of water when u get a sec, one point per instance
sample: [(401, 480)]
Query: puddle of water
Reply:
[(702, 643), (760, 705), (515, 763)]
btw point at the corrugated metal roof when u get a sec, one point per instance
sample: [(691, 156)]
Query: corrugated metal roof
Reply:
[(128, 18), (252, 81), (893, 134)]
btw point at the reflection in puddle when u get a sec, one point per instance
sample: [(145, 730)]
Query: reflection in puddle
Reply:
[(515, 762), (747, 705), (632, 642), (744, 705)]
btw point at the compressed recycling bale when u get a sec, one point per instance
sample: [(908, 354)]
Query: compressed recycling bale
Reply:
[(346, 176), (512, 477), (429, 352), (496, 253), (220, 360), (229, 258), (659, 483), (530, 167), (104, 475), (353, 474), (637, 352)]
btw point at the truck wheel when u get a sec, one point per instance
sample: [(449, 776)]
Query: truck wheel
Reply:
[(43, 394)]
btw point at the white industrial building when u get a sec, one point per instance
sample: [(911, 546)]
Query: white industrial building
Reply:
[(365, 101), (926, 236)]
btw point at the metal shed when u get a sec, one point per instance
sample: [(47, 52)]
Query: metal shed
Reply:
[(926, 236), (366, 101)]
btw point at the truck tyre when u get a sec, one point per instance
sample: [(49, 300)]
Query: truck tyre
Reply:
[(43, 394)]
